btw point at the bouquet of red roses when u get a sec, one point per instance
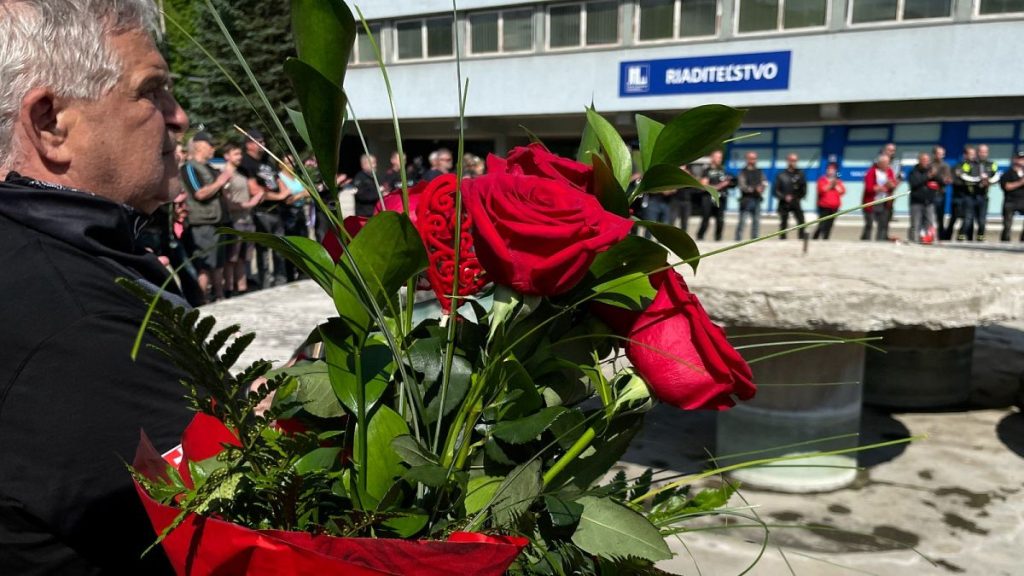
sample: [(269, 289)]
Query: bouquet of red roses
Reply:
[(453, 441)]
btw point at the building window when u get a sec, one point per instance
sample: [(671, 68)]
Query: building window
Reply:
[(428, 38), (674, 19), (507, 31), (774, 15), (987, 7), (870, 11), (584, 24), (362, 52)]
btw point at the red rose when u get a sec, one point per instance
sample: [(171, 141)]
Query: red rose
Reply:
[(536, 235), (536, 160), (684, 357)]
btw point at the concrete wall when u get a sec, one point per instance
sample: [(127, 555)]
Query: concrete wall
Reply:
[(944, 61)]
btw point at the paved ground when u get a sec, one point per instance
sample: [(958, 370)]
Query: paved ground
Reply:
[(955, 497)]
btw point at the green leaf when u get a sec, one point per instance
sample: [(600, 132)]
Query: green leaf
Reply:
[(589, 144), (663, 177), (323, 110), (307, 255), (517, 492), (526, 429), (563, 512), (632, 292), (324, 32), (383, 465), (610, 530), (505, 302), (607, 189), (694, 133), (376, 366), (676, 240), (407, 525), (619, 158), (458, 385), (412, 452), (516, 380), (300, 124), (479, 492), (318, 460), (632, 254), (384, 270), (430, 475), (312, 389), (647, 131)]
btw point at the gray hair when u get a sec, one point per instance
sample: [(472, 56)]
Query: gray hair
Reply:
[(62, 45)]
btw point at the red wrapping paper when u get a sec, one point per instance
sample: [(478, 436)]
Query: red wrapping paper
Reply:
[(205, 546)]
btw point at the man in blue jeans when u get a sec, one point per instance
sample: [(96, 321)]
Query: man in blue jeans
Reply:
[(751, 183)]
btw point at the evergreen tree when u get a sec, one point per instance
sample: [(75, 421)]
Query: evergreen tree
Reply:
[(262, 31)]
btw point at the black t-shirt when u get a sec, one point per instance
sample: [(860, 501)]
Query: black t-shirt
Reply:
[(1012, 175), (264, 174), (367, 196)]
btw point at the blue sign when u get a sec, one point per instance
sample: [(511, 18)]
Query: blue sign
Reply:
[(730, 73)]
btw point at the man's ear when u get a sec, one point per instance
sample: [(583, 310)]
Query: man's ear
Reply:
[(42, 124)]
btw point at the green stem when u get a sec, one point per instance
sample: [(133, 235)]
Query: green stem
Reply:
[(362, 426), (690, 479), (581, 444)]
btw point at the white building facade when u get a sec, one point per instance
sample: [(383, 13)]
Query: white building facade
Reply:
[(827, 79)]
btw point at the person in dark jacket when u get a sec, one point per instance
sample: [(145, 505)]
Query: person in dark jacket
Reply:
[(924, 183), (751, 183), (790, 189), (714, 175), (1012, 183), (368, 193), (72, 402)]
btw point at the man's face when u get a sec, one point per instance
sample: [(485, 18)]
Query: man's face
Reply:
[(924, 160), (751, 158), (234, 157), (890, 150), (716, 158), (940, 153), (254, 148), (1018, 161), (202, 151), (971, 154), (983, 153), (445, 161), (791, 161), (122, 146)]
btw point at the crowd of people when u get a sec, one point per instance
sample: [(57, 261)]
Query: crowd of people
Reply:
[(247, 190), (947, 201)]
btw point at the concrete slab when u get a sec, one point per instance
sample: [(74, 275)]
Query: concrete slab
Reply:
[(859, 286)]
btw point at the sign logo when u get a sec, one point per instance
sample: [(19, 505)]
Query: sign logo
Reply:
[(638, 78), (731, 73)]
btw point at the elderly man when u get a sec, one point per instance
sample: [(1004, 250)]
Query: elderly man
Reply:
[(87, 149)]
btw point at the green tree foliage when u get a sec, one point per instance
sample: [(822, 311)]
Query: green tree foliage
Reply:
[(262, 31)]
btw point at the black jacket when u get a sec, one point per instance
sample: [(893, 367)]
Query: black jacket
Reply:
[(790, 184), (918, 181), (71, 399)]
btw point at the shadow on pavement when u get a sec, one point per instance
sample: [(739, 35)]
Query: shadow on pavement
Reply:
[(1011, 432), (877, 425)]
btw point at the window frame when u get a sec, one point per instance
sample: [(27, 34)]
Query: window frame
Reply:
[(779, 29), (378, 37), (424, 52), (677, 15), (900, 20), (501, 32), (582, 44), (977, 15)]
